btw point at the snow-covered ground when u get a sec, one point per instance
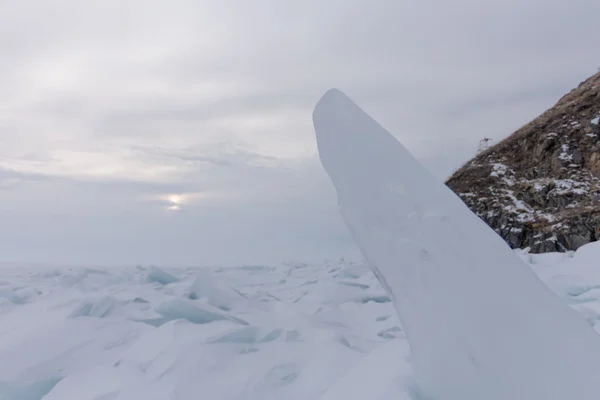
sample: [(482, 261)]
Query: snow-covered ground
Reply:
[(286, 332)]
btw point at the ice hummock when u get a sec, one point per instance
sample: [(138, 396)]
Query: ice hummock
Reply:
[(107, 334), (480, 323)]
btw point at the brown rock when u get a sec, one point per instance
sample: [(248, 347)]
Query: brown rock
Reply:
[(540, 187)]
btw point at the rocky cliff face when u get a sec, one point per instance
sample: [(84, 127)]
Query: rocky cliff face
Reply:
[(540, 187)]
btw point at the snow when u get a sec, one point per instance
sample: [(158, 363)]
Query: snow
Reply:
[(414, 238), (206, 287), (185, 309), (518, 205), (498, 169), (109, 334), (564, 153), (501, 170), (381, 369), (564, 186), (560, 186), (321, 340)]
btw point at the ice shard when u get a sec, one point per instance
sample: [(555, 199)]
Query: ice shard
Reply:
[(480, 323)]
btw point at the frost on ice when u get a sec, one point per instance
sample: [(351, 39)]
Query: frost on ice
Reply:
[(480, 323)]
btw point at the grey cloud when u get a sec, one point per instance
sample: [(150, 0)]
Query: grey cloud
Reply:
[(10, 179), (204, 111), (543, 93), (226, 156), (119, 76), (270, 227)]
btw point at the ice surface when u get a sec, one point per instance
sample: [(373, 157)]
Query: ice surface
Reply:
[(100, 307), (251, 334), (194, 313), (107, 334), (206, 287), (31, 391), (11, 297), (480, 323), (156, 274), (301, 342), (381, 369)]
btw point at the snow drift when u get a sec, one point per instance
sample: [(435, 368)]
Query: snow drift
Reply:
[(480, 323)]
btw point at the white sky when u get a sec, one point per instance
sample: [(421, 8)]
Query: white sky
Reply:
[(180, 132)]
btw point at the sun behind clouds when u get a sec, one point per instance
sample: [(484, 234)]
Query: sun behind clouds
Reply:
[(177, 201)]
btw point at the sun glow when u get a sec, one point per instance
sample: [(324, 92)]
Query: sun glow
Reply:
[(178, 201), (175, 202)]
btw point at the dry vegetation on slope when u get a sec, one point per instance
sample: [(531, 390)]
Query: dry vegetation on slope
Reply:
[(540, 187)]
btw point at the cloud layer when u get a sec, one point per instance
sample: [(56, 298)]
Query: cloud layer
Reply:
[(180, 132)]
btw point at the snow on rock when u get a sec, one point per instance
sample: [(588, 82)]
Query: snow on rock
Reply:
[(553, 166), (565, 155), (480, 323)]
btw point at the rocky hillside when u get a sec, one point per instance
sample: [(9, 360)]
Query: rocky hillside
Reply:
[(540, 187)]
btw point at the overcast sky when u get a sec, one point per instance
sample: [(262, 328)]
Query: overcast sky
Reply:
[(179, 132)]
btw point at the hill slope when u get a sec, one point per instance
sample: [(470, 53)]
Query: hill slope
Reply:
[(540, 187)]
